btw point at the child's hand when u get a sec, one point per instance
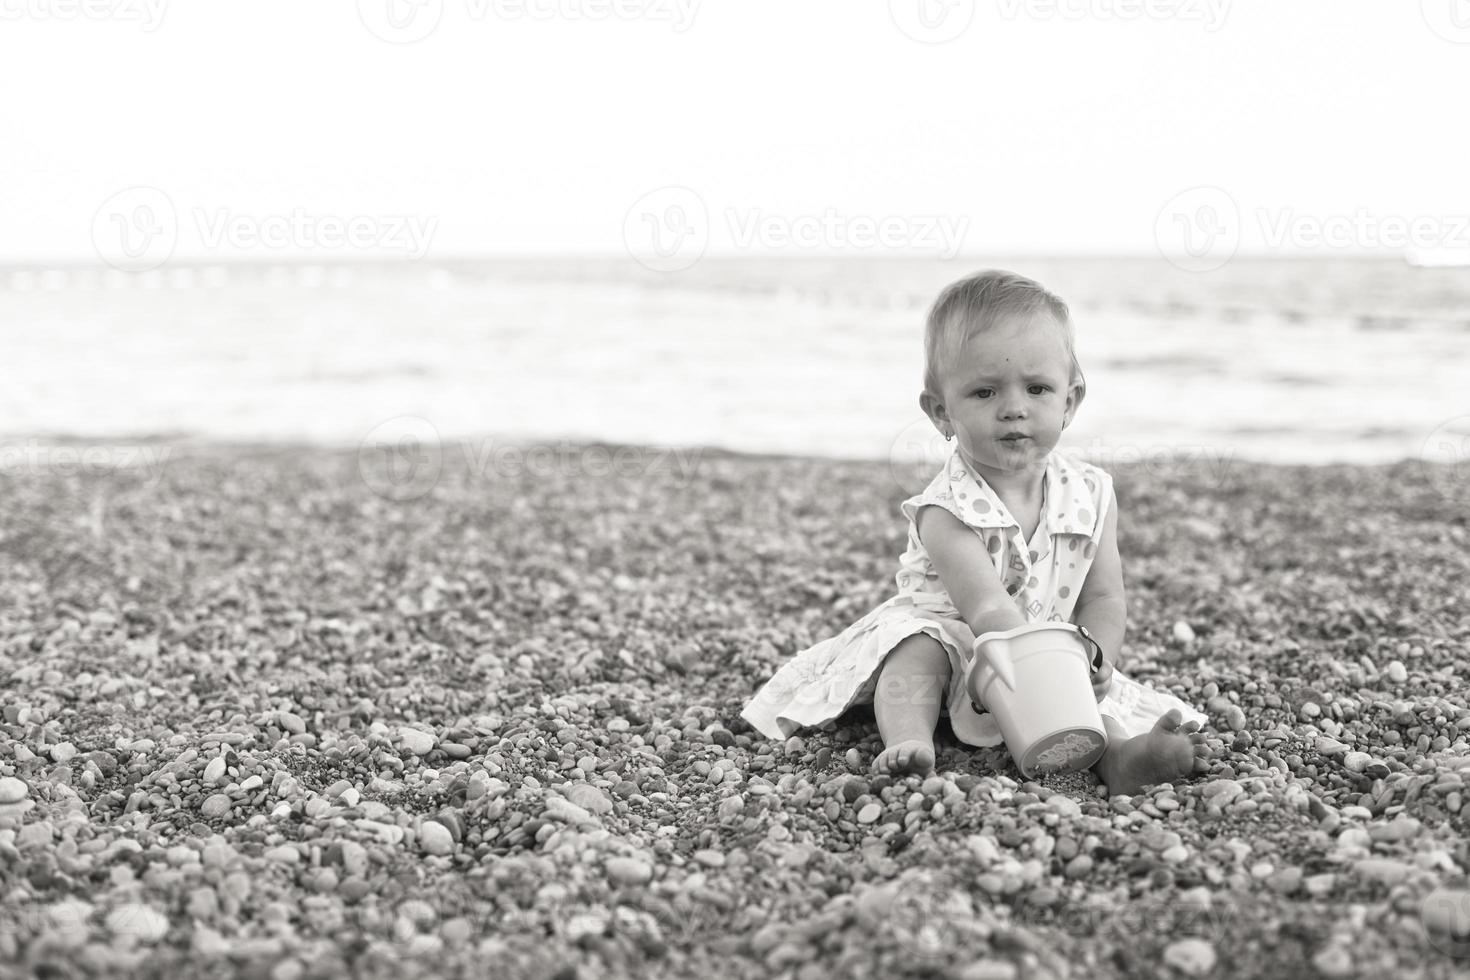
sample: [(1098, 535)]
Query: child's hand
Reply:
[(1102, 681)]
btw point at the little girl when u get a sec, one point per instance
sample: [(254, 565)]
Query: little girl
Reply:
[(1009, 532)]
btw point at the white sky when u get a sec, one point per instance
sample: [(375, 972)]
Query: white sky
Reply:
[(1045, 131)]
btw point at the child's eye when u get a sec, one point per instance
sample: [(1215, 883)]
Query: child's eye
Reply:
[(1043, 389), (982, 393)]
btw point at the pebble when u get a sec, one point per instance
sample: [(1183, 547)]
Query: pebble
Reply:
[(628, 871), (1195, 957), (417, 741), (12, 790), (435, 838), (1079, 867), (1183, 632), (869, 813), (1384, 870), (1401, 829), (354, 857), (63, 752), (214, 770), (291, 722), (709, 858), (1333, 960), (1396, 671), (1357, 761), (216, 806), (989, 970), (1064, 806), (590, 798)]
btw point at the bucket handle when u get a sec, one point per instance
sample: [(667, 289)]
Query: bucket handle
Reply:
[(1095, 659)]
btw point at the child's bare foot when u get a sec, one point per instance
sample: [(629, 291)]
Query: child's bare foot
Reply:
[(914, 755), (1160, 756)]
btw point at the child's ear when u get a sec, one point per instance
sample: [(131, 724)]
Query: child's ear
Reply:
[(934, 408), (1075, 394)]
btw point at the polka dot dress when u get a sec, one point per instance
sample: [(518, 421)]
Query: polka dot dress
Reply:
[(1044, 576)]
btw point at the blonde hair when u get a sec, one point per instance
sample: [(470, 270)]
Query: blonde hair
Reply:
[(977, 302)]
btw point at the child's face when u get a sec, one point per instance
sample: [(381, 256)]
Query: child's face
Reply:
[(1011, 378)]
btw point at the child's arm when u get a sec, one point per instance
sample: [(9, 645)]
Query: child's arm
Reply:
[(1101, 605), (965, 571)]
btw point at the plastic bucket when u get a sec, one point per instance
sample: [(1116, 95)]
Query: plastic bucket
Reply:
[(1050, 721)]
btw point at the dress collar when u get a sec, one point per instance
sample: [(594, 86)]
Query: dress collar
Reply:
[(1067, 493)]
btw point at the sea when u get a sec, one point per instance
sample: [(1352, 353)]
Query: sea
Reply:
[(1310, 360)]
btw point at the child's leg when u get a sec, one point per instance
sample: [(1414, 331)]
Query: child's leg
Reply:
[(911, 686)]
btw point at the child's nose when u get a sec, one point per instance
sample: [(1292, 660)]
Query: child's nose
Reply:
[(1012, 411)]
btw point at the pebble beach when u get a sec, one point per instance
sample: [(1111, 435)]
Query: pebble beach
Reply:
[(269, 712)]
